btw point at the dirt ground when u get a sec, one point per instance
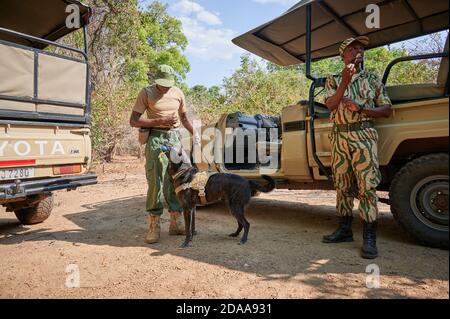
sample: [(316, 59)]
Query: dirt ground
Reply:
[(100, 229)]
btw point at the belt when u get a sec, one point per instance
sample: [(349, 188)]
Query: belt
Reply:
[(162, 128), (165, 130), (358, 126)]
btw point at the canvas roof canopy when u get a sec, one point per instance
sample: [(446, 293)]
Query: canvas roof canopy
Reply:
[(283, 40), (44, 19)]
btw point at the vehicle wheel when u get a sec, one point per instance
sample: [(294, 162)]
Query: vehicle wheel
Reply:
[(37, 213), (419, 199)]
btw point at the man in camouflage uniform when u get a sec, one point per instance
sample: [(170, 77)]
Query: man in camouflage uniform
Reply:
[(354, 98)]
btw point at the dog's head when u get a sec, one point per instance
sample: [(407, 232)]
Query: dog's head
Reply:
[(178, 158)]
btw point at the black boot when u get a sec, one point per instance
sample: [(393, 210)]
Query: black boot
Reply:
[(343, 234), (369, 250)]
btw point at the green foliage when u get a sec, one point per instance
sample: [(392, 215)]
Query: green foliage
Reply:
[(263, 87), (376, 60), (162, 41), (253, 88), (126, 45), (207, 102)]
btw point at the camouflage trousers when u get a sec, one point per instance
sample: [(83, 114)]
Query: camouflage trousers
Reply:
[(356, 172), (159, 181)]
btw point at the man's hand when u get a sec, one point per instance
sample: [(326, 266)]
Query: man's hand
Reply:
[(169, 120), (348, 72), (350, 104)]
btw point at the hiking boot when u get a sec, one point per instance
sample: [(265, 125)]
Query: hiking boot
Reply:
[(154, 230)]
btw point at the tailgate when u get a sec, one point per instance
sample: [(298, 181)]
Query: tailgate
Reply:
[(37, 151)]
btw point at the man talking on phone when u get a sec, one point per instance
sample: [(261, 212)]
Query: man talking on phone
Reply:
[(355, 98)]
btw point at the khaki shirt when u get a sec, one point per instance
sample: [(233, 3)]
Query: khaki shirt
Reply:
[(159, 105), (365, 89)]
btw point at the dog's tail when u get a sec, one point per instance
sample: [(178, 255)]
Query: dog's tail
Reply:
[(270, 186)]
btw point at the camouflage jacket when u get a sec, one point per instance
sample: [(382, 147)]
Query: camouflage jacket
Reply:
[(365, 89)]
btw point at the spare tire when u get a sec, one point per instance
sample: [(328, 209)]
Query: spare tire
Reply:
[(419, 199), (37, 213)]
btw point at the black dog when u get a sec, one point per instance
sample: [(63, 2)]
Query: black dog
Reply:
[(234, 189)]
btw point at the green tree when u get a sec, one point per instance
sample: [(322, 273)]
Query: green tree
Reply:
[(376, 60), (126, 45), (263, 87), (253, 88), (161, 42)]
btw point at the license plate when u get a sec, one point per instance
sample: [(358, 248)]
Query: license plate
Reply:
[(16, 173)]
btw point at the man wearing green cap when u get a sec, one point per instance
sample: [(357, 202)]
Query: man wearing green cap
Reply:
[(166, 110), (355, 97)]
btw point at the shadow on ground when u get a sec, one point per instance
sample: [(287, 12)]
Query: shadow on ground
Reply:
[(285, 241)]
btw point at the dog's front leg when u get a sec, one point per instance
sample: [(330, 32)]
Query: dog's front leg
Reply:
[(187, 223), (194, 231)]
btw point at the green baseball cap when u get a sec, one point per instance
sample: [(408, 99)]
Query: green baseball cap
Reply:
[(165, 76)]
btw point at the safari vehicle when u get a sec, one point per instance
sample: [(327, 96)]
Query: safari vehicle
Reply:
[(44, 107), (413, 143)]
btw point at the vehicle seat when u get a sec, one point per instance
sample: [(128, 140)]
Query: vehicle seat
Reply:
[(411, 92), (320, 110)]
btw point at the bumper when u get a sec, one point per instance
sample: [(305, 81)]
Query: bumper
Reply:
[(20, 189)]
